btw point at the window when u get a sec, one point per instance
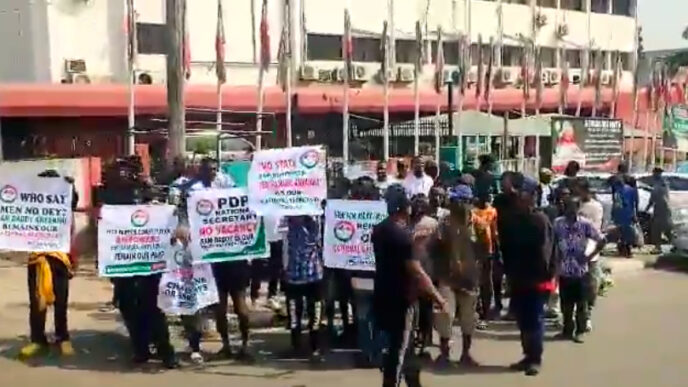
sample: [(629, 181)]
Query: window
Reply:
[(511, 55), (406, 51), (626, 61), (324, 47), (576, 5), (574, 58), (622, 7), (549, 57), (451, 52), (475, 53), (367, 50), (547, 3), (151, 38), (600, 6)]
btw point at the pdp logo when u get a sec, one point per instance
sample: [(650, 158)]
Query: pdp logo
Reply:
[(344, 230), (310, 159), (8, 194), (139, 218), (179, 257), (204, 207)]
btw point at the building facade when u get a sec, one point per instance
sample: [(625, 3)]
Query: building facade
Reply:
[(84, 40)]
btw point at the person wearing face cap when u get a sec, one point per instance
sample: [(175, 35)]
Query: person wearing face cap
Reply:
[(530, 266)]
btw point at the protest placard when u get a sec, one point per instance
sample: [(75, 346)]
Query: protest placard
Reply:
[(288, 181), (186, 288), (348, 226), (223, 228), (35, 214), (135, 240)]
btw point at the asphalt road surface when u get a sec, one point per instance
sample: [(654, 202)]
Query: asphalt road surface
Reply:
[(639, 339)]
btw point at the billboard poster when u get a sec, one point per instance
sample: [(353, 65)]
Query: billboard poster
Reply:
[(595, 143), (676, 128)]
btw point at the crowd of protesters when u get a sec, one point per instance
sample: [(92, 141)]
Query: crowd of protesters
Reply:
[(442, 256)]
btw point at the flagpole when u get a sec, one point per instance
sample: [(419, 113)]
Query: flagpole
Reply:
[(290, 72), (264, 63), (131, 50), (586, 58), (347, 51), (418, 69), (636, 57), (385, 85), (439, 64)]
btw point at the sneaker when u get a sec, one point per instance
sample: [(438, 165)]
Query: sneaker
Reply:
[(532, 369), (588, 326), (196, 358), (520, 366), (481, 325), (66, 348), (31, 350), (578, 339)]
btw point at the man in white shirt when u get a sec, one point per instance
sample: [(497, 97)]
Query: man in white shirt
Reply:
[(418, 182), (591, 210)]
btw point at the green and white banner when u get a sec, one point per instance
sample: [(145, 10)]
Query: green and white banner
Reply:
[(135, 240), (223, 228), (676, 128)]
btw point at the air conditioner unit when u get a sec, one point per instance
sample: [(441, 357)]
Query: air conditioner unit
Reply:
[(359, 73), (507, 76), (606, 78), (75, 66), (338, 74), (575, 76), (554, 77), (405, 74), (308, 72), (325, 75), (447, 75), (80, 79)]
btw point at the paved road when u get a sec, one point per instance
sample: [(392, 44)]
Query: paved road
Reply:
[(639, 339)]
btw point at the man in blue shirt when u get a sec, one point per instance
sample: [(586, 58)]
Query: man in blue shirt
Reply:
[(624, 213)]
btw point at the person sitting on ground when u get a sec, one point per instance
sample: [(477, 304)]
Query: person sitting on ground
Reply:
[(49, 275), (418, 182), (571, 235), (458, 275)]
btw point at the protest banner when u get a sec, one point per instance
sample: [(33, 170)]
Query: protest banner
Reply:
[(135, 240), (223, 228), (186, 288), (676, 128), (595, 143), (35, 214), (288, 181), (348, 226)]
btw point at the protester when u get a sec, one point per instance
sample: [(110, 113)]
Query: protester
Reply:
[(458, 274), (383, 181), (572, 233), (505, 204), (485, 224), (545, 188), (402, 170), (592, 210), (624, 216), (661, 225), (136, 296), (433, 170), (303, 279), (424, 229), (418, 182), (275, 228), (571, 174), (370, 340), (438, 200), (530, 265), (485, 182), (48, 278), (399, 278)]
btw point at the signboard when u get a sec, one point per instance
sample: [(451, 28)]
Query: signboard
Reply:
[(595, 143), (676, 128), (223, 228), (135, 240), (186, 288), (288, 181), (35, 213), (348, 227)]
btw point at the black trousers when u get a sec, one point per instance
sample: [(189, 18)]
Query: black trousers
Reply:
[(137, 298), (296, 294), (339, 290), (401, 358), (574, 296), (36, 316)]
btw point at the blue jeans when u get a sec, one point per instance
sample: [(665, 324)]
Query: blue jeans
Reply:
[(371, 341), (529, 308)]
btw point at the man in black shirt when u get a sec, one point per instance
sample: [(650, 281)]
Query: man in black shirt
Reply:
[(399, 278)]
